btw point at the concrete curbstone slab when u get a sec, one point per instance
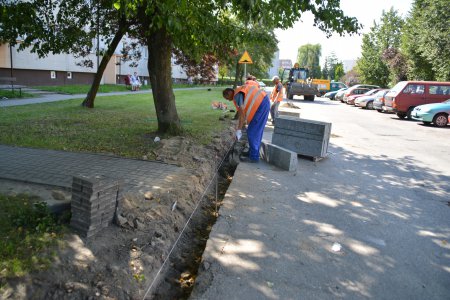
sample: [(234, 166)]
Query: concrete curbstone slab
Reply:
[(305, 137), (278, 156)]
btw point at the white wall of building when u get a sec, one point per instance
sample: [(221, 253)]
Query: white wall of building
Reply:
[(54, 62)]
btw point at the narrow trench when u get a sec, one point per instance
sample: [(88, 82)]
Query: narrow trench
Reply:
[(183, 266)]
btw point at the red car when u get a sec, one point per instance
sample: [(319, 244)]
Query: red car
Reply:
[(351, 99), (357, 90)]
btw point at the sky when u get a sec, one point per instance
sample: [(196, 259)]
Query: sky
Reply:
[(346, 47)]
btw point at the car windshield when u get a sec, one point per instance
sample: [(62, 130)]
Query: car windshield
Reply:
[(447, 101), (380, 93), (399, 87), (371, 92)]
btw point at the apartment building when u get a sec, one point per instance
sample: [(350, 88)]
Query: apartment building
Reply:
[(63, 69)]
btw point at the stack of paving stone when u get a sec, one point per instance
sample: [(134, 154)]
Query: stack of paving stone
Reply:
[(93, 204), (302, 136)]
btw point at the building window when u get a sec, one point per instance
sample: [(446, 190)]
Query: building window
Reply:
[(69, 75), (53, 74), (144, 51)]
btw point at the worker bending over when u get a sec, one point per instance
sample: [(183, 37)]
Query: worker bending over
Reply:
[(253, 106)]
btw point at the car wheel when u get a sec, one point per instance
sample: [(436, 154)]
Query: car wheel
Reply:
[(409, 112), (401, 115), (369, 105), (440, 120)]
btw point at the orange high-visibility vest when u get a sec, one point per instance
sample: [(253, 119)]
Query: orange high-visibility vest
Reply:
[(276, 96), (250, 83), (253, 97)]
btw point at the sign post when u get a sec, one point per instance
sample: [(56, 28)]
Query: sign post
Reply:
[(245, 59)]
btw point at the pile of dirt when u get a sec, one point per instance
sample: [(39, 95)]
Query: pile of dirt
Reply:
[(122, 261)]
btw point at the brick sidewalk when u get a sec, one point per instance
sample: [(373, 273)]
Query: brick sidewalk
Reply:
[(57, 168)]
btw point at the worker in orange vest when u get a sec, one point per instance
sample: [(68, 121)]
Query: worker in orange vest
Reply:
[(251, 80), (253, 108), (276, 97)]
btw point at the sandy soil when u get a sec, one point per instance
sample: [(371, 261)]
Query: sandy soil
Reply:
[(122, 261)]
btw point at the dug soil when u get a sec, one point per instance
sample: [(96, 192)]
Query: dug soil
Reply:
[(149, 252)]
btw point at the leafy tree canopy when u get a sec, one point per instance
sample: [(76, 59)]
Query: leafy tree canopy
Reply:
[(426, 40), (195, 27), (382, 36)]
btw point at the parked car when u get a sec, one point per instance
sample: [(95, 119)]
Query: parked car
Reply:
[(351, 94), (340, 95), (406, 95), (367, 96), (350, 91), (436, 113), (378, 102), (261, 84), (331, 95), (366, 100)]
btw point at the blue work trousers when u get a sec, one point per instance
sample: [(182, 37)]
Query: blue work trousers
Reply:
[(256, 127)]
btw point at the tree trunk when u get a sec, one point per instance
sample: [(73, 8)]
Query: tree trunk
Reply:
[(90, 97), (159, 46)]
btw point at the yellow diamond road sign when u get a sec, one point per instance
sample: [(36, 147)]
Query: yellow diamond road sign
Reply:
[(245, 59)]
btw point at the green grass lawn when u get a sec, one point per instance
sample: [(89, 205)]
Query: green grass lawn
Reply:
[(14, 95), (27, 230), (104, 88), (121, 125)]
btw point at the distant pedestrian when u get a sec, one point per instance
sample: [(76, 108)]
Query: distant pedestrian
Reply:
[(253, 106), (135, 82), (276, 97)]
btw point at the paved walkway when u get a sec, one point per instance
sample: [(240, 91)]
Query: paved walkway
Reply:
[(51, 97), (57, 168), (371, 221)]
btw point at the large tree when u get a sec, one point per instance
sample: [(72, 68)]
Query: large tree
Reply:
[(308, 56), (196, 26), (370, 65), (192, 26), (382, 36), (426, 42)]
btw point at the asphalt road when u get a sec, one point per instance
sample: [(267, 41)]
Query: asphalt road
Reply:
[(372, 221)]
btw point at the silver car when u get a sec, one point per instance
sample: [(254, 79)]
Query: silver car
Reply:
[(379, 100), (340, 95), (367, 101)]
